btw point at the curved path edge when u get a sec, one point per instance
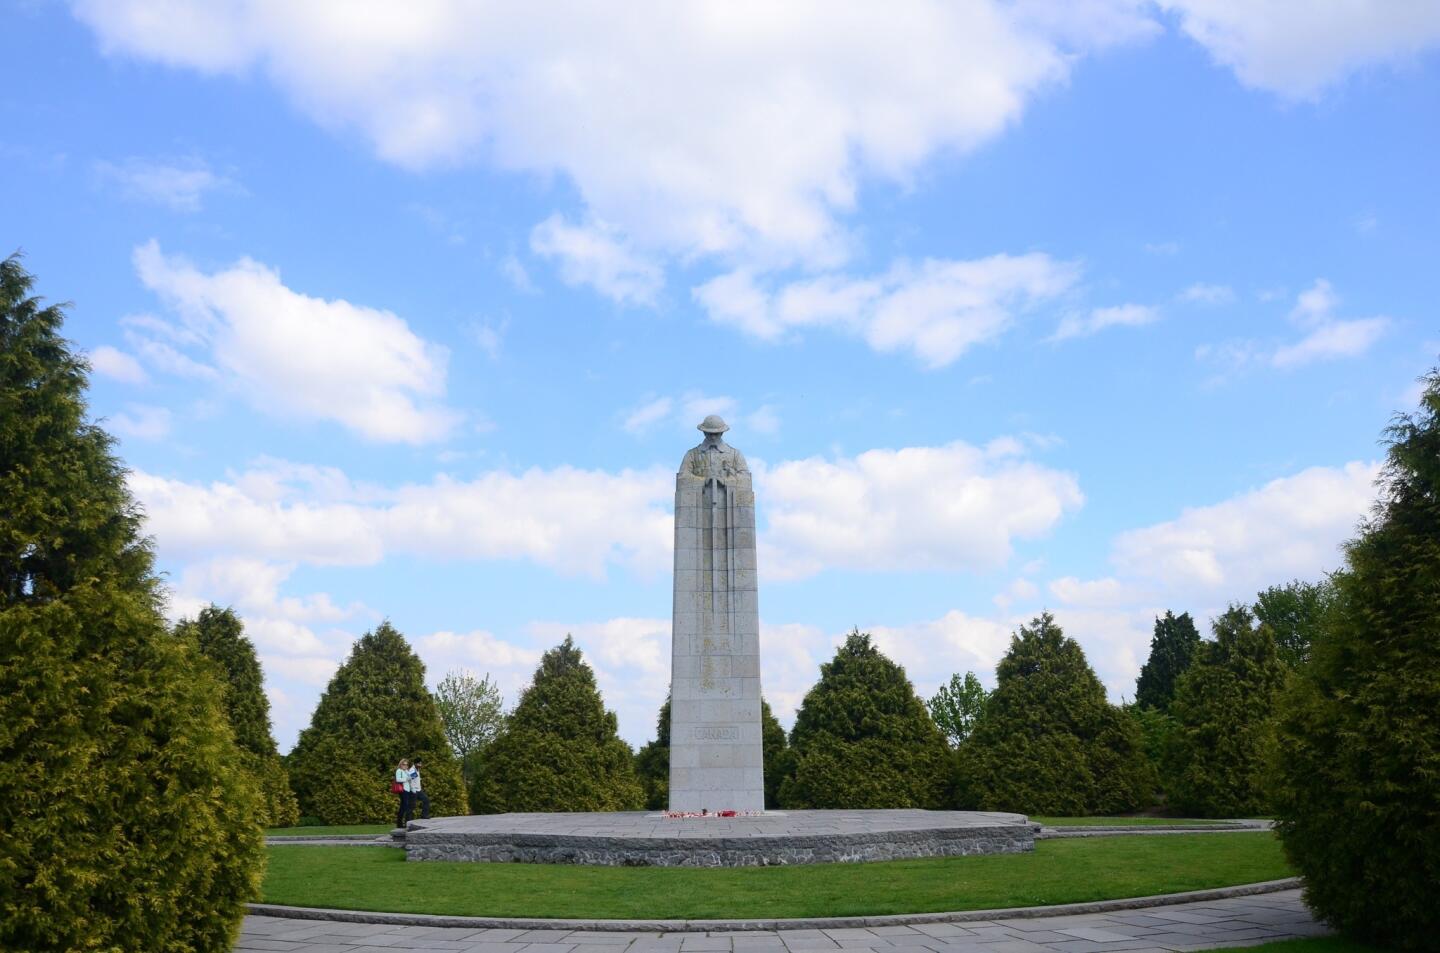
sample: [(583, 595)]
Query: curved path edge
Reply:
[(796, 923)]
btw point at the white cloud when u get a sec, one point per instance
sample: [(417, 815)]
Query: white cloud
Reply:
[(1208, 557), (1292, 526), (932, 651), (515, 273), (1094, 592), (1084, 325), (1329, 336), (549, 517), (296, 356), (117, 365), (596, 254), (1297, 50), (647, 415), (684, 412), (741, 129), (936, 309), (143, 422), (765, 420), (954, 507), (1201, 293), (490, 336), (180, 185)]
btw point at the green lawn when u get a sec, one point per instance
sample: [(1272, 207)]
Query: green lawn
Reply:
[(319, 831), (1327, 944), (1059, 871), (1123, 822)]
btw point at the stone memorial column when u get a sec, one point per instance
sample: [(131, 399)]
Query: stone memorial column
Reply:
[(715, 749)]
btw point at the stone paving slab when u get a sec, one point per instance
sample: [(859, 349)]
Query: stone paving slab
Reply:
[(1167, 928)]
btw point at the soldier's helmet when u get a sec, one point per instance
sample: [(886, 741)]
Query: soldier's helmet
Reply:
[(713, 424)]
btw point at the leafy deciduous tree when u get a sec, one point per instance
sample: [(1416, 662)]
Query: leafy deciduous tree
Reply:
[(1293, 613), (957, 705), (864, 739), (126, 824), (374, 712), (558, 750), (472, 711), (1357, 779)]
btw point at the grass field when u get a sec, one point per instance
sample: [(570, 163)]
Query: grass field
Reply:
[(1123, 822), (1327, 944), (1059, 871), (318, 831)]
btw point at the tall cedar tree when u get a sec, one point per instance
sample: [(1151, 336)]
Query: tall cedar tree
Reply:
[(1172, 650), (652, 762), (126, 825), (1223, 730), (1293, 613), (1049, 741), (220, 637), (1358, 761), (374, 712), (559, 749), (864, 739)]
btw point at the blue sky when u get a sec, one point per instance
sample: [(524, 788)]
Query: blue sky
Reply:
[(411, 312)]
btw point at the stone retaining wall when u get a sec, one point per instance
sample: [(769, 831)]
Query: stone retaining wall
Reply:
[(854, 847)]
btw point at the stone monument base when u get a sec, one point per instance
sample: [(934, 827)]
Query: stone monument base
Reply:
[(641, 839)]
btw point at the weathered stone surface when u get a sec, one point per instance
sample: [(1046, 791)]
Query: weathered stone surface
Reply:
[(715, 747), (638, 839)]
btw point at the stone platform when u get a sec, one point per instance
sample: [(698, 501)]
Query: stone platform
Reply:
[(640, 839)]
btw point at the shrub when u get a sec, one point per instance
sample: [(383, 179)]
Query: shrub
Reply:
[(1049, 742), (374, 712), (864, 739), (1215, 762), (1357, 767), (558, 750), (126, 823)]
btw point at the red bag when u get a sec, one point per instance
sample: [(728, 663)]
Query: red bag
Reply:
[(396, 787)]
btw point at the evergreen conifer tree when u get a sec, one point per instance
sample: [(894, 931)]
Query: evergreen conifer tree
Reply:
[(1357, 780), (1049, 741), (1222, 707), (652, 762), (558, 750), (864, 739), (775, 754), (1172, 650), (374, 712), (220, 636), (125, 823)]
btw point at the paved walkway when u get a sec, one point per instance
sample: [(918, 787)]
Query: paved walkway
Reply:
[(1240, 921)]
